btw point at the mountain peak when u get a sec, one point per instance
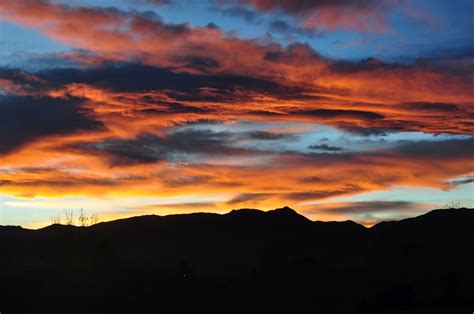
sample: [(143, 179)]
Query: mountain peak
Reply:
[(287, 213), (284, 214), (245, 211), (284, 211)]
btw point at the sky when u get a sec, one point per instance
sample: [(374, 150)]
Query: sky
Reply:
[(358, 110)]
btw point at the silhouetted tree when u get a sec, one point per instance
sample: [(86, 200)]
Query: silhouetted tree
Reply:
[(69, 217), (83, 220), (452, 204), (56, 219)]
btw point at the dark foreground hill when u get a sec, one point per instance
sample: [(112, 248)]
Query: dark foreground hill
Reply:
[(246, 261)]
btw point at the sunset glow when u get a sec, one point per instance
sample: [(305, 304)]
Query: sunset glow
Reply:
[(357, 110)]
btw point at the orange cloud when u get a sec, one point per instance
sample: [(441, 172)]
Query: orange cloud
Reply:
[(123, 36), (291, 178)]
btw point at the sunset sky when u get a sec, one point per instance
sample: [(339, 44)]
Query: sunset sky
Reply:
[(359, 110)]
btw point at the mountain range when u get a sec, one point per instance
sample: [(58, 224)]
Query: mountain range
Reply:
[(245, 261)]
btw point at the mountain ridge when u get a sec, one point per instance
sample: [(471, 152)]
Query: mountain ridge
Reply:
[(283, 212), (245, 261)]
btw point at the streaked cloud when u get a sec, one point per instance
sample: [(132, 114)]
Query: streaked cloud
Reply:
[(360, 15), (145, 108)]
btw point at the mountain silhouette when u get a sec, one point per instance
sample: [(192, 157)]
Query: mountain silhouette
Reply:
[(246, 261)]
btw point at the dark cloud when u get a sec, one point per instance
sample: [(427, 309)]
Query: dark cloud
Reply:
[(462, 181), (325, 147), (17, 76), (171, 107), (180, 87), (452, 148), (265, 113), (293, 54), (141, 78), (368, 207), (274, 25), (281, 26), (145, 148), (238, 11), (150, 148), (61, 182), (248, 197), (175, 146), (369, 64), (266, 136), (35, 170), (366, 131), (200, 63), (313, 179), (456, 59), (24, 119), (316, 195), (449, 149), (340, 114), (433, 107), (212, 25), (332, 14), (303, 6)]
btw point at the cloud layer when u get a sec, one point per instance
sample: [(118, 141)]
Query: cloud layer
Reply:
[(150, 108)]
